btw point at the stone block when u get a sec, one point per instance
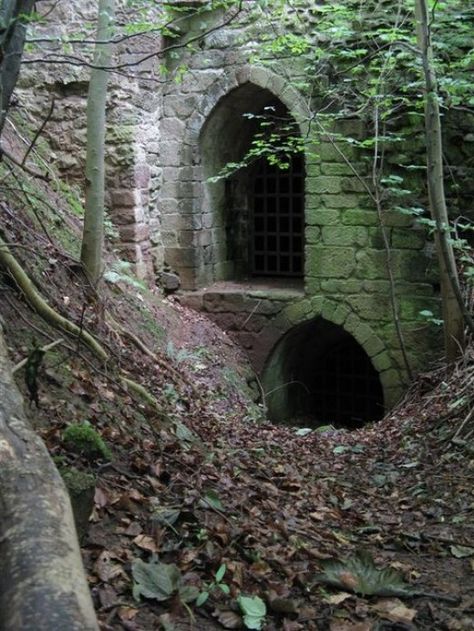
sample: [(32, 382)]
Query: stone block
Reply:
[(124, 198), (337, 286), (171, 153), (177, 258), (134, 232), (382, 361), (323, 184), (408, 238), (142, 175), (341, 313), (376, 286), (372, 307), (312, 285), (298, 311), (330, 152), (342, 200), (371, 264), (328, 309), (172, 129), (359, 217), (180, 106), (355, 185), (344, 235), (373, 346), (336, 168), (360, 330), (313, 234), (322, 217), (330, 262), (396, 219), (186, 238), (169, 281), (313, 169), (222, 302)]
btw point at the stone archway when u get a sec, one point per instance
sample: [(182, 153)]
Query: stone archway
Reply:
[(193, 219), (318, 374), (253, 220)]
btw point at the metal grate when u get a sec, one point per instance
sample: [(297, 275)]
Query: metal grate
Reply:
[(346, 387), (278, 219)]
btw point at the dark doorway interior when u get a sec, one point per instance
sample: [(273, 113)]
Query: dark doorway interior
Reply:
[(278, 219), (318, 374)]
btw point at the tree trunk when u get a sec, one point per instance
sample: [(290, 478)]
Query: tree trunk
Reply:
[(93, 234), (42, 583), (454, 311), (12, 41)]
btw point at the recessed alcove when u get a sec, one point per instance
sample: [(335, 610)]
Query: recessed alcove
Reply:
[(318, 374), (252, 221)]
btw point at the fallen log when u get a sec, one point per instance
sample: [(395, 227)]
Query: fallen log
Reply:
[(42, 581)]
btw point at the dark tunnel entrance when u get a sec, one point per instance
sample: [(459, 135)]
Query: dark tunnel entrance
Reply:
[(318, 374)]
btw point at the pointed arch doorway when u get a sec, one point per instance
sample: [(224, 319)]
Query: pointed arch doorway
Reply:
[(253, 221)]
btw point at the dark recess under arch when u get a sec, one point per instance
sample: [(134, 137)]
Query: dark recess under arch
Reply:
[(318, 374)]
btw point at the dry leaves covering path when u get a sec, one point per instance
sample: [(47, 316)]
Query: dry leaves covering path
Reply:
[(255, 509)]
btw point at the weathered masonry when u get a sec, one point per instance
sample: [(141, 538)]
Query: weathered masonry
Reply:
[(291, 263)]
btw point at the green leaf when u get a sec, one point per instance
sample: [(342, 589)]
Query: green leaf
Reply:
[(360, 575), (201, 599), (211, 500), (220, 573), (224, 588), (340, 449), (254, 610), (155, 580)]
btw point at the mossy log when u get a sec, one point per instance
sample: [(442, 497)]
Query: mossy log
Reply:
[(42, 582)]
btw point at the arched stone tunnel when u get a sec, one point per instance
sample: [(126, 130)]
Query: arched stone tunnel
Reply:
[(318, 374)]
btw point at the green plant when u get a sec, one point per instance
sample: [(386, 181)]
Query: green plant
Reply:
[(254, 610), (160, 581), (428, 315), (217, 583), (83, 439), (120, 272)]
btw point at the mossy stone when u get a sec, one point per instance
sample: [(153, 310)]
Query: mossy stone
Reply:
[(81, 489)]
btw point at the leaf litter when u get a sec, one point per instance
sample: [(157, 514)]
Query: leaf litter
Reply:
[(278, 507)]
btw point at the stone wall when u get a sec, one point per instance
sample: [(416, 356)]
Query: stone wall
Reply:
[(166, 137)]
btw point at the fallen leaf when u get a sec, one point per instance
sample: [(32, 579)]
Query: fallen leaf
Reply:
[(127, 613), (105, 568), (229, 619), (460, 552), (101, 498), (146, 543), (394, 610), (337, 599)]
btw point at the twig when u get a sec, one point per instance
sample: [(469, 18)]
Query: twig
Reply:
[(38, 133), (463, 424), (9, 156)]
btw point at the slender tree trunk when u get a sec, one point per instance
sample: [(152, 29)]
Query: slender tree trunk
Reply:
[(12, 41), (42, 583), (93, 234), (454, 311)]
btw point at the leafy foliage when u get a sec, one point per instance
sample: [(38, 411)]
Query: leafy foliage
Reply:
[(359, 574), (254, 610), (159, 581)]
